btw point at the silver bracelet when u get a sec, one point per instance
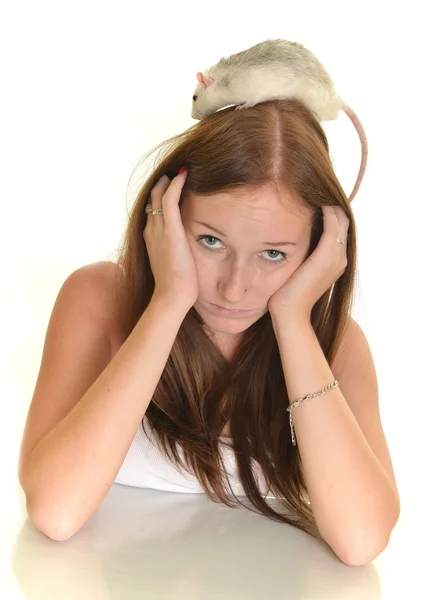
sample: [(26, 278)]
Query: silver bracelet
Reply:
[(308, 397)]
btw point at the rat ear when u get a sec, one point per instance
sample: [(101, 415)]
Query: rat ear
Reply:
[(204, 80)]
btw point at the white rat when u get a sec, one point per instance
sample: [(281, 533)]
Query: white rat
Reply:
[(274, 69)]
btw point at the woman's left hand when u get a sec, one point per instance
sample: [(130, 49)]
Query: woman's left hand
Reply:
[(318, 272)]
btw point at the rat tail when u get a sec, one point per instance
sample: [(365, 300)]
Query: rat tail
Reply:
[(364, 147)]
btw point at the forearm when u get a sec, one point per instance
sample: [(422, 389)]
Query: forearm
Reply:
[(74, 465), (352, 500)]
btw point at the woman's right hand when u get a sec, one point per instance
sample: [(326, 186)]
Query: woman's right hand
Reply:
[(170, 256)]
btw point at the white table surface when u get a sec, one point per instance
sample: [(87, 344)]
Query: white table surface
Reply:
[(143, 543)]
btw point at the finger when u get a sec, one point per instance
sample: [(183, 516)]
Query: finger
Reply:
[(342, 217), (158, 191), (330, 220), (155, 199), (343, 226), (335, 220), (173, 191), (332, 230), (171, 198)]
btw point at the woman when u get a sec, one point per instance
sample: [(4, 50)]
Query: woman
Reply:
[(257, 222)]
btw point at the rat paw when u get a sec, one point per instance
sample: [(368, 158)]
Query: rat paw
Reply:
[(249, 104)]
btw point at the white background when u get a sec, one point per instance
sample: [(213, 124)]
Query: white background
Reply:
[(88, 87)]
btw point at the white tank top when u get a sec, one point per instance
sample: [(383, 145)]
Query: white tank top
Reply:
[(146, 466)]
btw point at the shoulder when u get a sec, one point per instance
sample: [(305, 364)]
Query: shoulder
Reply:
[(104, 279), (103, 283), (354, 368), (354, 347)]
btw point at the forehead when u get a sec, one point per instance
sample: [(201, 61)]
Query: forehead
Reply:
[(265, 209)]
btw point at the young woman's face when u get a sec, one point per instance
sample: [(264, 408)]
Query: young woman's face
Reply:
[(239, 255)]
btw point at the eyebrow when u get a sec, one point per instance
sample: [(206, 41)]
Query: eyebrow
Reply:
[(266, 243)]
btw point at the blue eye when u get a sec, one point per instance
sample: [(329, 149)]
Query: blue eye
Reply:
[(201, 238)]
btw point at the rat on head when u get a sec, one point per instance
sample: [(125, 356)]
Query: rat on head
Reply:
[(274, 69)]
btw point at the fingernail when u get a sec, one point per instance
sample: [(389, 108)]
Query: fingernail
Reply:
[(182, 170)]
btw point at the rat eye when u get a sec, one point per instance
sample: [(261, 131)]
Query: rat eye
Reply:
[(195, 98)]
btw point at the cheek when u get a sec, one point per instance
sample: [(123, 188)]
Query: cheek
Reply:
[(275, 282), (278, 279), (205, 269)]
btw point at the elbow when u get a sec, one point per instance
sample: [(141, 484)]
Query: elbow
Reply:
[(364, 556), (48, 514), (373, 545), (364, 541), (55, 527), (366, 549)]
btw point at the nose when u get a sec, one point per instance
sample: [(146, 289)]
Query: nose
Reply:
[(233, 284)]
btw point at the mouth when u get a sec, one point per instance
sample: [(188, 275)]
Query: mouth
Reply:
[(226, 311)]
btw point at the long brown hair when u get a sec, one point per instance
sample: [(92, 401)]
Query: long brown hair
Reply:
[(279, 143)]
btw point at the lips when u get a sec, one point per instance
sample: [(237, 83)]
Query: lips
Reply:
[(229, 311), (233, 309)]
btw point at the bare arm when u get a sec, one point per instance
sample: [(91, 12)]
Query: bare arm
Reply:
[(354, 497), (68, 473)]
